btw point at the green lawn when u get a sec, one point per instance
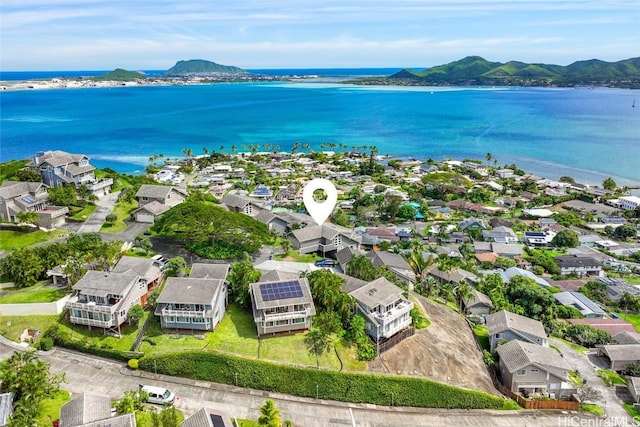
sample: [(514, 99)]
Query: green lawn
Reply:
[(574, 346), (51, 408), (36, 293), (482, 334), (13, 326), (123, 211), (633, 280), (610, 378), (82, 214), (298, 257), (97, 337), (634, 413), (634, 319), (592, 409), (16, 239), (236, 334), (575, 378)]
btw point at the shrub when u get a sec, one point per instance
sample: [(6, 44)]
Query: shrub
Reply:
[(45, 343), (341, 386), (133, 363)]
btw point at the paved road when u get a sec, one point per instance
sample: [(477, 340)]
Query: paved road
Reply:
[(587, 370), (84, 372), (98, 217)]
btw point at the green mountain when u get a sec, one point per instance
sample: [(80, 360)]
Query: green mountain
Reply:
[(200, 67), (477, 70), (121, 75)]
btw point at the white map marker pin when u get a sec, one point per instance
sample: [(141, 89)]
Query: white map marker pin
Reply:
[(320, 211)]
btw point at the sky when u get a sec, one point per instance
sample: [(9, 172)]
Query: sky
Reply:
[(254, 34)]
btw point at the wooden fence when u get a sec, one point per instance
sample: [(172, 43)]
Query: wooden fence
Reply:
[(570, 405), (388, 344)]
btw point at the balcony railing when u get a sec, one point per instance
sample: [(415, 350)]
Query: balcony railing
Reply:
[(395, 312), (91, 322), (100, 184), (184, 313), (287, 316), (90, 306)]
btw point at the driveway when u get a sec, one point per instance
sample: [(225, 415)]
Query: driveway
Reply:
[(583, 364), (98, 217), (84, 373)]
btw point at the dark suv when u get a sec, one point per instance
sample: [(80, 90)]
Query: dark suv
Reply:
[(325, 263)]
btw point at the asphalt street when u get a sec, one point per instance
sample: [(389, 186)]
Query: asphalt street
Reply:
[(88, 373)]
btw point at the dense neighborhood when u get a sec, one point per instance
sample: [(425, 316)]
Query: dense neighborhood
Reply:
[(216, 254)]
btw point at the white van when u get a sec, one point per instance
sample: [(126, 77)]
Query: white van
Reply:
[(158, 395)]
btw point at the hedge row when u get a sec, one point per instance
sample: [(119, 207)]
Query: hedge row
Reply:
[(85, 346), (332, 385)]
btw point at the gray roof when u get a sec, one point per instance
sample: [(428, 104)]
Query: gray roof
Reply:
[(187, 290), (622, 352), (102, 283), (126, 420), (200, 270), (516, 355), (155, 207), (261, 304), (206, 417), (478, 298), (505, 320), (12, 189), (507, 248), (515, 271), (237, 200), (345, 254), (456, 275), (389, 259), (326, 231), (265, 216), (60, 158), (85, 408), (277, 276), (634, 383), (579, 301), (576, 261), (377, 292), (626, 337), (351, 283), (157, 191), (144, 267)]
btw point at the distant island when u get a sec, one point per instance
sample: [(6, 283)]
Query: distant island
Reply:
[(201, 67), (477, 71)]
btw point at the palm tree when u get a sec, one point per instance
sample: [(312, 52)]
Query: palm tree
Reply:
[(418, 263), (269, 414), (28, 217)]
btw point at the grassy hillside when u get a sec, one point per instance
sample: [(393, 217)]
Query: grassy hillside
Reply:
[(121, 75), (201, 67), (477, 70)]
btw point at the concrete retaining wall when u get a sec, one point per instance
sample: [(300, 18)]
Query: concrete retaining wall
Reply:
[(28, 309)]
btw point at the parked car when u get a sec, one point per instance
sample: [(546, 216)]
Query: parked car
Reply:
[(158, 395), (325, 263), (161, 261)]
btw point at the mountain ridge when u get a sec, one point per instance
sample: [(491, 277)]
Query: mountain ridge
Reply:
[(477, 70), (201, 67)]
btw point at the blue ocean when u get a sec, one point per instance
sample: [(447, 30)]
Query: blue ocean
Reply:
[(586, 133)]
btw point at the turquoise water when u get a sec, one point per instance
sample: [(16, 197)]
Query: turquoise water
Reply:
[(585, 133)]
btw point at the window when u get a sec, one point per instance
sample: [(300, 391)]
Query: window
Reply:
[(268, 324), (521, 372), (534, 370), (297, 321), (282, 322), (197, 320), (182, 319)]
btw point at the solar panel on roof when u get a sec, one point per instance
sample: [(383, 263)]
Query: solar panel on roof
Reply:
[(280, 290), (217, 420)]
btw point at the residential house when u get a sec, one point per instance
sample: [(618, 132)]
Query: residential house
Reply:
[(500, 234), (242, 204), (504, 173), (385, 309), (506, 326), (282, 306), (394, 263), (455, 275), (619, 356), (382, 234), (508, 250), (59, 167), (325, 239), (477, 304), (207, 417), (511, 272), (486, 257), (626, 337), (472, 223), (611, 326), (345, 255), (103, 299), (500, 222), (283, 222), (588, 308), (154, 200), (534, 371), (148, 270), (197, 302), (633, 385), (89, 409), (538, 238), (617, 287), (629, 203), (578, 265), (18, 196)]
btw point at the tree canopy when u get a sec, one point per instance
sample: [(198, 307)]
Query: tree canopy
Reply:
[(212, 231)]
